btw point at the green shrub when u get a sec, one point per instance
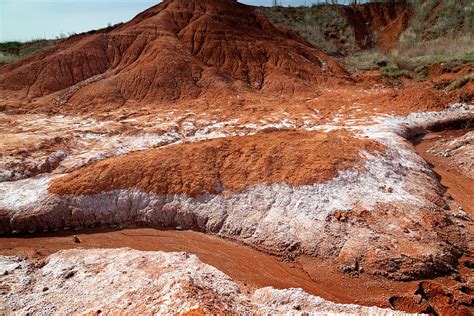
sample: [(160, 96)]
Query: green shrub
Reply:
[(13, 51), (459, 83), (323, 25), (389, 69), (9, 47)]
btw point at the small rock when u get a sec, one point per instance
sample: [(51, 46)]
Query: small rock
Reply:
[(469, 264), (4, 289), (390, 190), (340, 216), (77, 240), (461, 214), (179, 227), (45, 289), (69, 274)]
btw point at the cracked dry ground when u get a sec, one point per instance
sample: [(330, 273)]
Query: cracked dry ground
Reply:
[(274, 166)]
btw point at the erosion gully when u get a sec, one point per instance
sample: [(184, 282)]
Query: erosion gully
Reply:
[(253, 269)]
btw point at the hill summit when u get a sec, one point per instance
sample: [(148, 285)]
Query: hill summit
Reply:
[(176, 50)]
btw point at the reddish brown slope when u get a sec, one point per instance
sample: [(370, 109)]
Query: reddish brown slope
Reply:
[(383, 22), (176, 50)]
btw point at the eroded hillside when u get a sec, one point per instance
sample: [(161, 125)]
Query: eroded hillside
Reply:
[(204, 116)]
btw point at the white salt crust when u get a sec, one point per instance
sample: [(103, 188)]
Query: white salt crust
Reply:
[(127, 281)]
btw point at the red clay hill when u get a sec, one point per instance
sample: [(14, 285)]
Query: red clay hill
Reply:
[(176, 50)]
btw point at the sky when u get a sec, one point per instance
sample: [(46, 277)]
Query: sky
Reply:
[(25, 20)]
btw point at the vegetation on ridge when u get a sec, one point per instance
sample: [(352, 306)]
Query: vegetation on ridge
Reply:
[(13, 51), (438, 32)]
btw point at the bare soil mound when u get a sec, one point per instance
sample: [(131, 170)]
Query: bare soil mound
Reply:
[(226, 164), (176, 50)]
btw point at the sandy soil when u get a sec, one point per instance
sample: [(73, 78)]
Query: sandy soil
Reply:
[(226, 164)]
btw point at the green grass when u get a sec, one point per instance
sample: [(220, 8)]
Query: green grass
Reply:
[(439, 32), (453, 18), (6, 59), (440, 50), (324, 26), (389, 69), (14, 51), (366, 60), (418, 56)]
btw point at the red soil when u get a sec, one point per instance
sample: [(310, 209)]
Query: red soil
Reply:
[(250, 268), (383, 21), (389, 37), (176, 50), (212, 57), (223, 165)]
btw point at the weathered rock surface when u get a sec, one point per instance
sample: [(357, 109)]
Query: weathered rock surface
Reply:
[(435, 298), (130, 281), (342, 217)]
